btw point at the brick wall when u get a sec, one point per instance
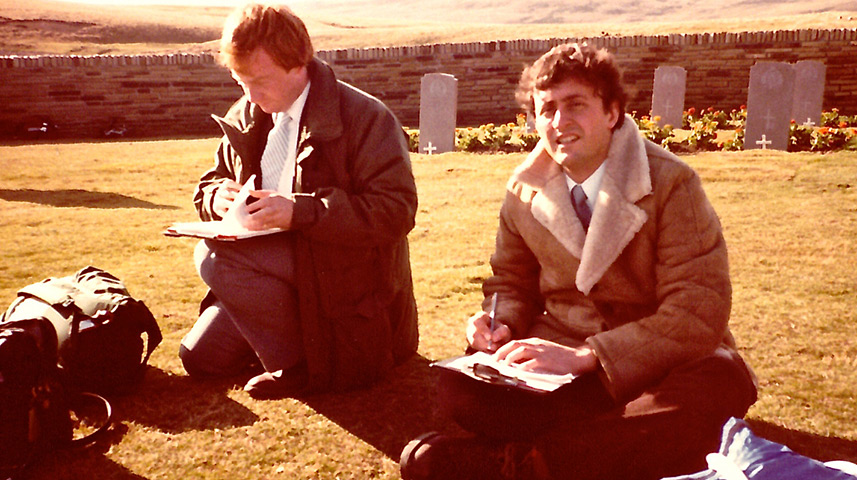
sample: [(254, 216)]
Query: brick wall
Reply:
[(173, 95)]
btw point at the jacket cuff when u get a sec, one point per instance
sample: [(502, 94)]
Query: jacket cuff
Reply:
[(601, 372), (306, 212)]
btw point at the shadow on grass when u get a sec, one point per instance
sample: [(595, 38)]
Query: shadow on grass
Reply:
[(811, 445), (391, 413), (177, 403), (92, 461), (167, 402), (68, 463), (78, 198)]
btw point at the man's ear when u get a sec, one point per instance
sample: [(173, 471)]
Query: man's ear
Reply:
[(613, 110)]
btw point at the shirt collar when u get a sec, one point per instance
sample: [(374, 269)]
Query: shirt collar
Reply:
[(296, 110), (591, 185)]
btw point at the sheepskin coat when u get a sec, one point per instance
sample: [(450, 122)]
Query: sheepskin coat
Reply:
[(647, 287)]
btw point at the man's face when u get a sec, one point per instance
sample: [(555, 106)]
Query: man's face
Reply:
[(577, 129), (269, 85)]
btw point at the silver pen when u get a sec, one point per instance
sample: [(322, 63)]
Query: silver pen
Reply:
[(491, 312)]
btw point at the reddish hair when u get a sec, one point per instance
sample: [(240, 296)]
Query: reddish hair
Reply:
[(273, 27)]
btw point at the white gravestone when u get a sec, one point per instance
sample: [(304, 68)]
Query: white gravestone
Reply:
[(769, 106), (438, 110), (809, 92), (668, 95)]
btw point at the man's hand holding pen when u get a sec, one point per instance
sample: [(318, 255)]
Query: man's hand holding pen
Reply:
[(480, 336), (270, 210), (485, 334), (267, 209)]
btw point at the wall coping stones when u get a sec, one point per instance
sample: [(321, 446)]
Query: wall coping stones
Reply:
[(506, 46)]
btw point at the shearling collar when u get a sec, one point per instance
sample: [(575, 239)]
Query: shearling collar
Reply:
[(616, 218)]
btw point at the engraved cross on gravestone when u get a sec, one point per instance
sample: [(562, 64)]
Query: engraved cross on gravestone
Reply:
[(769, 106)]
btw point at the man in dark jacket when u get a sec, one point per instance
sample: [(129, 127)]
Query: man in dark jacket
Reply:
[(326, 303)]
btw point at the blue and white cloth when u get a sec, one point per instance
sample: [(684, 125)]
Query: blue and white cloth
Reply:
[(746, 456)]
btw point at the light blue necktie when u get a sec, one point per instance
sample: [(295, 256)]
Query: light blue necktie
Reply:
[(578, 200), (276, 153)]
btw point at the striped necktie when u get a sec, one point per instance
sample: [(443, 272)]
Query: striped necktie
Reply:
[(578, 200), (276, 153)]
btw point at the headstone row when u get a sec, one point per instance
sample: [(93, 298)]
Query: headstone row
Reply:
[(778, 93)]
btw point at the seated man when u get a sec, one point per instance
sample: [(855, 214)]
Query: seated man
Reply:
[(610, 264), (327, 303)]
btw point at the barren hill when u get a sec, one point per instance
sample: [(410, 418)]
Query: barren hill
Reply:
[(58, 27)]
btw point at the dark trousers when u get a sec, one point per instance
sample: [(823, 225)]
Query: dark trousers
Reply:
[(255, 314), (583, 433)]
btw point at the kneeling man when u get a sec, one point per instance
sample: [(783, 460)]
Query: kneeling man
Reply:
[(328, 302)]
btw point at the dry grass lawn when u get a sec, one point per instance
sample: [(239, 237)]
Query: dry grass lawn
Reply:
[(790, 221)]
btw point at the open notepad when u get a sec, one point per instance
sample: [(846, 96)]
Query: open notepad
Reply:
[(232, 227), (482, 366)]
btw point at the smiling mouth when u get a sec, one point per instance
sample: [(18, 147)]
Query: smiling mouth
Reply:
[(567, 139)]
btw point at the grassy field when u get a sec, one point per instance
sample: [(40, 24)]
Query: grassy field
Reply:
[(790, 222)]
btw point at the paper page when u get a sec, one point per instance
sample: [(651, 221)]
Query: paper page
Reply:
[(233, 225), (546, 382), (236, 216)]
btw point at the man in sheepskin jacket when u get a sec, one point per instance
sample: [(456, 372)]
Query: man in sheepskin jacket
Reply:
[(610, 264)]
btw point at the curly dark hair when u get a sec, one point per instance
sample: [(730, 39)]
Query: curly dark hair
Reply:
[(580, 62)]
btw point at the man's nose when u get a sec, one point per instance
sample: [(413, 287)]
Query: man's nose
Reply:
[(559, 117)]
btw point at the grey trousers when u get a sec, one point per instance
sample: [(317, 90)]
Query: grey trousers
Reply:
[(254, 317)]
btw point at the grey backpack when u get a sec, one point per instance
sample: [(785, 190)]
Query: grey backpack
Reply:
[(99, 327)]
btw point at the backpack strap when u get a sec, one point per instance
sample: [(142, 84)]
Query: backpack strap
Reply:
[(147, 323), (105, 409)]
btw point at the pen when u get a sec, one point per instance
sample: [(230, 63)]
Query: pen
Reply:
[(493, 324)]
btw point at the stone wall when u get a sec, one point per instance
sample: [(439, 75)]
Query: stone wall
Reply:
[(173, 95)]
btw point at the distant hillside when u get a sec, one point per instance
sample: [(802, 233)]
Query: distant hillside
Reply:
[(53, 27), (569, 11)]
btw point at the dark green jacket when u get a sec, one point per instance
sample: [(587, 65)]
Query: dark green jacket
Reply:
[(356, 202)]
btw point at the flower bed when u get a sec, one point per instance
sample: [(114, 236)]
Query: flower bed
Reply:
[(706, 130)]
